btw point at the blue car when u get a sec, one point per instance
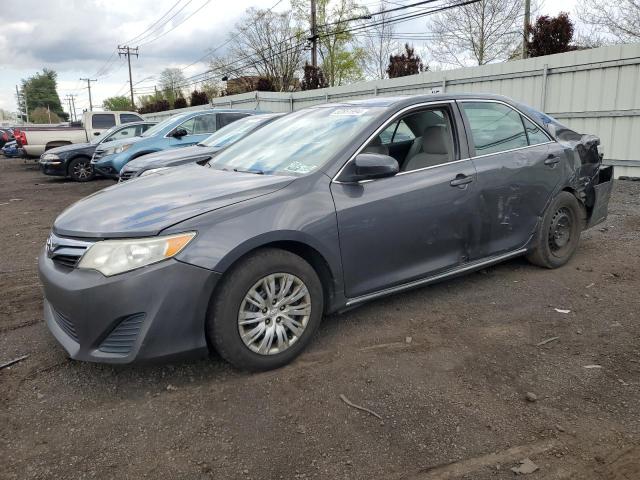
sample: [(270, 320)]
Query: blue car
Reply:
[(11, 149), (181, 130)]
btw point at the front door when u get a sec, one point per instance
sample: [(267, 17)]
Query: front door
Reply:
[(402, 228)]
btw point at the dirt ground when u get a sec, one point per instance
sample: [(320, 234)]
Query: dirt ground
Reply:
[(446, 367)]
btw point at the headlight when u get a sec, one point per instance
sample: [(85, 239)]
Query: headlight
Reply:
[(153, 170), (118, 149), (111, 257), (49, 156)]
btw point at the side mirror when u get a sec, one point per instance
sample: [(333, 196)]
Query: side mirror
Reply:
[(179, 133), (368, 166)]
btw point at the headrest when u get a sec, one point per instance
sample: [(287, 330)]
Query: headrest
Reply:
[(435, 140)]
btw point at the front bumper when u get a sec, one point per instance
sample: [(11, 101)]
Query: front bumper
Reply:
[(57, 168), (154, 312)]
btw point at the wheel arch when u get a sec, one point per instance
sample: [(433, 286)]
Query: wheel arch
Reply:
[(71, 159), (298, 244)]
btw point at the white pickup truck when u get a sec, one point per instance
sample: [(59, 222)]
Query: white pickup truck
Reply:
[(35, 140)]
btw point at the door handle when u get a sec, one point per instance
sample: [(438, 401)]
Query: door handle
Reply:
[(461, 180), (552, 159)]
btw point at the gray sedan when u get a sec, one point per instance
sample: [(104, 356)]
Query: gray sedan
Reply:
[(321, 210)]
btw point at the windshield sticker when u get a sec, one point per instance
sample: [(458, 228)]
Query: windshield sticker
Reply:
[(298, 167), (350, 112)]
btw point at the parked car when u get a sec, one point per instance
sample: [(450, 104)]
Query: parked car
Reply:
[(74, 161), (312, 214), (201, 152), (6, 135), (182, 130), (35, 140), (12, 150)]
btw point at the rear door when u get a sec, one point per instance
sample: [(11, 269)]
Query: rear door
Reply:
[(517, 173)]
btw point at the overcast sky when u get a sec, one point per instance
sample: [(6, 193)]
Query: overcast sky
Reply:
[(78, 38)]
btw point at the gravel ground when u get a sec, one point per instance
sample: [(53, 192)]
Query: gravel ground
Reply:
[(450, 370)]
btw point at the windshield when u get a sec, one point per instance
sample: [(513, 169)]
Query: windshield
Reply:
[(160, 126), (298, 143), (99, 138), (234, 131)]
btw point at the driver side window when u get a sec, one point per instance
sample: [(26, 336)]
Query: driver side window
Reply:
[(417, 140)]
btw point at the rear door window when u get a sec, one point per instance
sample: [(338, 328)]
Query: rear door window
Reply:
[(103, 120), (494, 127), (227, 118)]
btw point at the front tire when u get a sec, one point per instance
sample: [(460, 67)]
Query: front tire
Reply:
[(266, 310), (81, 170), (559, 234)]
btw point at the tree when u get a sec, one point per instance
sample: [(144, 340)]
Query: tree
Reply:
[(479, 33), (405, 63), (40, 90), (341, 58), (264, 44), (550, 35), (198, 98), (265, 84), (113, 104), (180, 102), (618, 18), (171, 83), (378, 45), (43, 115), (313, 78)]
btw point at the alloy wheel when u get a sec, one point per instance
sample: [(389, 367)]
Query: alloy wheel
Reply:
[(82, 170)]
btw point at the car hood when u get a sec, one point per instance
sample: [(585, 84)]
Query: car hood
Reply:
[(154, 202), (69, 148), (170, 157), (114, 143)]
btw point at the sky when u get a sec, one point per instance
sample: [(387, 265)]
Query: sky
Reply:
[(79, 39)]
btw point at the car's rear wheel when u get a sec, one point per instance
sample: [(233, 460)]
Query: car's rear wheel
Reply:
[(559, 234), (81, 170), (266, 310)]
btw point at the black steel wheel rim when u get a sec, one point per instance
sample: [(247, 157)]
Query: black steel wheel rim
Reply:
[(560, 231)]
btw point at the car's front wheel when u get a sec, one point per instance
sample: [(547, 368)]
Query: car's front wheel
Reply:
[(559, 234), (266, 310), (81, 170)]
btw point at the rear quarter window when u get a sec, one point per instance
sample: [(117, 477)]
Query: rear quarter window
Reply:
[(129, 117)]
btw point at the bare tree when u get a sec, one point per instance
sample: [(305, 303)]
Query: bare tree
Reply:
[(171, 83), (477, 34), (378, 44), (340, 57), (618, 18), (264, 44)]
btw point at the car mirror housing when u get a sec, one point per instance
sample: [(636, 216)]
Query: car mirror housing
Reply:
[(179, 133), (369, 166)]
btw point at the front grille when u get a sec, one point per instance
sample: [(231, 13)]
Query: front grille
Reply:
[(66, 252), (120, 341), (127, 175), (66, 325)]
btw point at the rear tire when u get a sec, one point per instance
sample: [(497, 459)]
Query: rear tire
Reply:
[(81, 170), (265, 311), (559, 234)]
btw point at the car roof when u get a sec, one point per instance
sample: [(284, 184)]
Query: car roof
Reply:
[(406, 100)]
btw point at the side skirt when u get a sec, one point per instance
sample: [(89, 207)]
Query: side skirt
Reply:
[(467, 267)]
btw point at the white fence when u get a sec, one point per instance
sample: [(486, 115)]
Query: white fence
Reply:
[(592, 91)]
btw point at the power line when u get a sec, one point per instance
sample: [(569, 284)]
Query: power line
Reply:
[(137, 37), (176, 26), (89, 80), (156, 30)]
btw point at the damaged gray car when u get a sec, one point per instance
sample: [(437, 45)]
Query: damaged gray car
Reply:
[(319, 211)]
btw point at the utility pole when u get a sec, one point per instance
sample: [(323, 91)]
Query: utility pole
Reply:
[(68, 99), (72, 106), (127, 52), (23, 96), (314, 36), (89, 80), (525, 33)]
